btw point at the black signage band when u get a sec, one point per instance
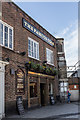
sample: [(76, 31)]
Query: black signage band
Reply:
[(34, 30)]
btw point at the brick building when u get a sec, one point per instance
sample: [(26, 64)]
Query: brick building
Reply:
[(73, 81), (29, 60), (62, 69)]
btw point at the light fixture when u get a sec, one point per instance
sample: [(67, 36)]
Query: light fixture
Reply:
[(23, 53), (7, 59), (27, 64), (44, 62)]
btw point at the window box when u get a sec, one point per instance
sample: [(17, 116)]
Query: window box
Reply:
[(41, 69)]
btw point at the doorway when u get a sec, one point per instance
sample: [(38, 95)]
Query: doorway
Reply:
[(42, 93)]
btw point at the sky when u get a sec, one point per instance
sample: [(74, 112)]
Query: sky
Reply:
[(60, 19)]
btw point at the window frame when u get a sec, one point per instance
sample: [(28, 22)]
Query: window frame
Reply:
[(9, 27), (37, 49), (33, 85), (47, 49)]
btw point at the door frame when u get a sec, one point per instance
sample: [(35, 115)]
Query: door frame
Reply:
[(2, 88)]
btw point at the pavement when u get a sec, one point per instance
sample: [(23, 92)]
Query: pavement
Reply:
[(56, 111)]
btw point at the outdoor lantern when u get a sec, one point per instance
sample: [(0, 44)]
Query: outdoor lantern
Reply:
[(23, 53), (12, 71), (27, 65), (7, 59), (44, 62)]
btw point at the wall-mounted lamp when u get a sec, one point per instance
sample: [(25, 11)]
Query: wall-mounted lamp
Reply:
[(12, 71), (27, 67), (7, 59), (44, 62), (27, 64), (22, 53)]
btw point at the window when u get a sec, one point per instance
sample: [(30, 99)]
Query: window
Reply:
[(63, 86), (33, 89), (61, 58), (50, 88), (33, 49), (75, 86), (49, 56), (6, 35), (62, 63)]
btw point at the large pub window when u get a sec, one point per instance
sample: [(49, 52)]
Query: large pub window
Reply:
[(33, 89)]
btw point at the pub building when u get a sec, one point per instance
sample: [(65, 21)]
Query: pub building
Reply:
[(28, 61)]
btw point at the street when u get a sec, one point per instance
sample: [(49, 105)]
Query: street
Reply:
[(57, 111)]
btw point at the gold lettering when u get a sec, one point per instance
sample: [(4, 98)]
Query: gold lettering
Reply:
[(37, 32), (34, 30), (25, 23), (28, 26)]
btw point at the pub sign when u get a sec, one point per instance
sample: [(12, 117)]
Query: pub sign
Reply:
[(35, 31), (20, 82)]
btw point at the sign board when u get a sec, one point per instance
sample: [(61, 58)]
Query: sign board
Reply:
[(20, 107), (20, 81), (35, 31)]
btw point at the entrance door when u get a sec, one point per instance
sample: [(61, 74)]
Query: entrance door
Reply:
[(42, 92)]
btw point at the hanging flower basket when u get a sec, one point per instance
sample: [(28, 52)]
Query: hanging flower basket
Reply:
[(41, 69)]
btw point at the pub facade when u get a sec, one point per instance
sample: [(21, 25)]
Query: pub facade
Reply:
[(30, 56)]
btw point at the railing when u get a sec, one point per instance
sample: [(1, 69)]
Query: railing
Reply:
[(73, 69)]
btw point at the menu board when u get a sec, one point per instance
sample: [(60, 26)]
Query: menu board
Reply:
[(20, 81), (20, 107)]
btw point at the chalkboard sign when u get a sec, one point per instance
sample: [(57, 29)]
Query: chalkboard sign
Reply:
[(20, 107)]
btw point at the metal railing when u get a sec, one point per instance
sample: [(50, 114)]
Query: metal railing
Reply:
[(73, 69)]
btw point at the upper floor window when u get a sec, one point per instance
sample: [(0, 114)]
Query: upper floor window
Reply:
[(49, 56), (6, 35), (33, 49), (61, 58)]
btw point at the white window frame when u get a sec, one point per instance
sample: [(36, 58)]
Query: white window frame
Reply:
[(9, 27), (61, 58), (51, 63), (37, 58)]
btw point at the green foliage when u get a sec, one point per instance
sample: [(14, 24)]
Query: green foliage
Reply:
[(42, 69), (47, 70)]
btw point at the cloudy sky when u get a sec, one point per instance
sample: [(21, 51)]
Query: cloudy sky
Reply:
[(60, 19)]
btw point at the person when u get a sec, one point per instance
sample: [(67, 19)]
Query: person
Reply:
[(69, 94)]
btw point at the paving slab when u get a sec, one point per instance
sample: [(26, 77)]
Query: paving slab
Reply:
[(52, 111)]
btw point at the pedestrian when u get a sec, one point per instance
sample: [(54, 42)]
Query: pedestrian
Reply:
[(68, 94)]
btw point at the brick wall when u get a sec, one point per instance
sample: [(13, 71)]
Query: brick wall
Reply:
[(13, 15)]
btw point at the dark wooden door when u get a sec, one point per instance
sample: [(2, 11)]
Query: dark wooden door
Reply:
[(42, 91)]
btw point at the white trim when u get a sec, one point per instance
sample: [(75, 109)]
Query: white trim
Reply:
[(63, 79), (2, 88), (3, 62), (6, 24), (50, 64), (47, 49), (33, 57), (33, 40), (33, 48), (9, 27), (60, 52)]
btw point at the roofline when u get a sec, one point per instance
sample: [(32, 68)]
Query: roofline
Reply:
[(33, 19), (59, 38)]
